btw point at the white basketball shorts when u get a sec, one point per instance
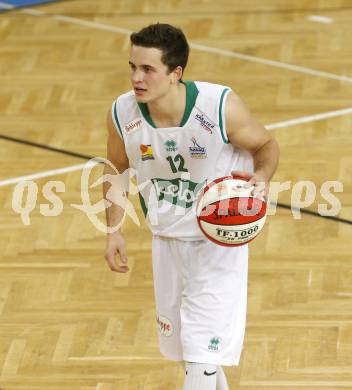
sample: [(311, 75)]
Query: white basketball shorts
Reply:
[(201, 300)]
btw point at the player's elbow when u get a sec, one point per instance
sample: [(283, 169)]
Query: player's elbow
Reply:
[(269, 145)]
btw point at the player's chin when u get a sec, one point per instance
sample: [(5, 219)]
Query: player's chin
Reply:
[(142, 97)]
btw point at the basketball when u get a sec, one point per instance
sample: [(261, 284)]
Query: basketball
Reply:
[(228, 214)]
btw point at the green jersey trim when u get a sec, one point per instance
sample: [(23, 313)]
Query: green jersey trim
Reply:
[(142, 202), (145, 112), (221, 125), (116, 119), (191, 97)]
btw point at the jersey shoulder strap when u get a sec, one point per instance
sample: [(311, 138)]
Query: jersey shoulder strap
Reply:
[(211, 105), (126, 114)]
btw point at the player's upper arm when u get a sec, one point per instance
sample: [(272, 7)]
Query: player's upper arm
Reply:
[(242, 128), (116, 152)]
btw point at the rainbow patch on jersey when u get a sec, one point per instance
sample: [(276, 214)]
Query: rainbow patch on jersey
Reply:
[(146, 152)]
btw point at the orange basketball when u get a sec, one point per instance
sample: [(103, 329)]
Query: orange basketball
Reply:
[(228, 214)]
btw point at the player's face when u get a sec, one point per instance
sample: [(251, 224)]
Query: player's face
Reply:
[(149, 76)]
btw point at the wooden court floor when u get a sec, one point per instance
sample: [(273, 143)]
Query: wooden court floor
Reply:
[(66, 321)]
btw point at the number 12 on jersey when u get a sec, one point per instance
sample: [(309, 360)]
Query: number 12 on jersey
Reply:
[(178, 159)]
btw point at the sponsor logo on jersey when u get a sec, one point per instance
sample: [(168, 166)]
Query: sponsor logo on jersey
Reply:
[(205, 123), (178, 191), (170, 145), (133, 126), (196, 150), (214, 343), (165, 326), (146, 152)]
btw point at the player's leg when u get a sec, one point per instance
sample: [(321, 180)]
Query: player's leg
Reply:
[(221, 381), (200, 376), (167, 289), (213, 308)]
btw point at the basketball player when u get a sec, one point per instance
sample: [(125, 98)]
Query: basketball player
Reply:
[(179, 135)]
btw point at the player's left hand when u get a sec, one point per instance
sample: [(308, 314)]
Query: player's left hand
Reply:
[(258, 181)]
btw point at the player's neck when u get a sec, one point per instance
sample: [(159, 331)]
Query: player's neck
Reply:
[(168, 111)]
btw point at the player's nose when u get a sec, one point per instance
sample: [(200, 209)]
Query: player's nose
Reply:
[(137, 76)]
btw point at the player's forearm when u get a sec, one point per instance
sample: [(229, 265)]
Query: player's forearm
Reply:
[(114, 213), (266, 159), (114, 194)]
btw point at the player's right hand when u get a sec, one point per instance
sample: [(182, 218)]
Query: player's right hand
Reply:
[(116, 245), (256, 180)]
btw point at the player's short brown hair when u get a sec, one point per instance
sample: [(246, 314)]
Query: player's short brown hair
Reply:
[(169, 39)]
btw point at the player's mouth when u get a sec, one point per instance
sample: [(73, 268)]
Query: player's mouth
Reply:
[(139, 91)]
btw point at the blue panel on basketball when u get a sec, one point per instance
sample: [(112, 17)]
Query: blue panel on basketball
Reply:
[(12, 4)]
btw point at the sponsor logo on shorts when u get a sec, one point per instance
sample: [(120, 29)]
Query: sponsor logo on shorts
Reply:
[(165, 326), (146, 152), (206, 124), (133, 126), (214, 344), (196, 150)]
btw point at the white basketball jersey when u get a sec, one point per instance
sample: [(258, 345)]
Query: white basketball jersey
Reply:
[(173, 164)]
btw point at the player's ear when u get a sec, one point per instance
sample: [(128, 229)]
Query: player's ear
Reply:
[(176, 74)]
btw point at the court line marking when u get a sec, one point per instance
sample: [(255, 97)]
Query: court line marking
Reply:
[(52, 172), (107, 358), (89, 164), (277, 64), (44, 147), (321, 19), (303, 383), (208, 49), (309, 118), (43, 265)]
